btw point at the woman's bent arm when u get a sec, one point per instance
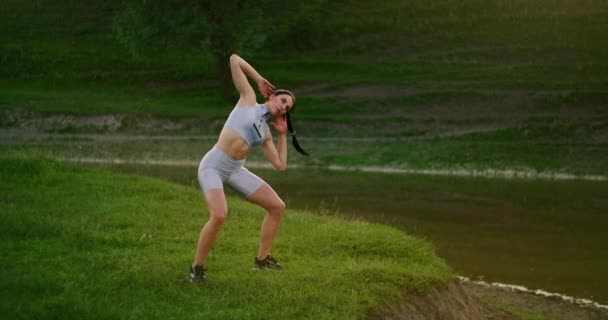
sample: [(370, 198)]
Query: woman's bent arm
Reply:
[(276, 156)]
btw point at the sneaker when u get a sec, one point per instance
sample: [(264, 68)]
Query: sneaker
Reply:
[(197, 274), (266, 263)]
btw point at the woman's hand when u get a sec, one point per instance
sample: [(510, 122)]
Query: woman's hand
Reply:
[(265, 87), (280, 125)]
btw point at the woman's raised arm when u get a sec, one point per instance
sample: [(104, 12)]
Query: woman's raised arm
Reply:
[(241, 70)]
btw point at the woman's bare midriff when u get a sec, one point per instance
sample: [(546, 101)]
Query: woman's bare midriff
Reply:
[(232, 144)]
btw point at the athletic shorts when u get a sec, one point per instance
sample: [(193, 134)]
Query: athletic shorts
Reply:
[(218, 168)]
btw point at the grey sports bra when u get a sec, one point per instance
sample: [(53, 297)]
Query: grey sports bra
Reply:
[(250, 123)]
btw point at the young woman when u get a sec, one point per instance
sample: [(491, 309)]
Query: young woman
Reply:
[(245, 129)]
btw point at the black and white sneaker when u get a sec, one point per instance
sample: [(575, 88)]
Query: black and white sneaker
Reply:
[(266, 263), (197, 275)]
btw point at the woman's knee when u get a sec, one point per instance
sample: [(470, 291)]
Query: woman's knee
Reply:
[(268, 199), (277, 207), (218, 209), (217, 217)]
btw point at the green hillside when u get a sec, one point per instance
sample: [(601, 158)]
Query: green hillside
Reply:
[(82, 243)]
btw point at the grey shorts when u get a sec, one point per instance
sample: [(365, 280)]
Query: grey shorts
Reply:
[(218, 168)]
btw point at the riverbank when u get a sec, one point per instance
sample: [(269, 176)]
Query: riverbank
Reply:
[(488, 173), (527, 305), (471, 301), (352, 153)]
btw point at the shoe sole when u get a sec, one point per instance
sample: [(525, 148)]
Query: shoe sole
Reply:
[(194, 281)]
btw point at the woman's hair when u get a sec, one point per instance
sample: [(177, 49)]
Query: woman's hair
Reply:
[(294, 140)]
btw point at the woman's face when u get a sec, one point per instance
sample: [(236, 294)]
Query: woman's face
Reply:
[(279, 105)]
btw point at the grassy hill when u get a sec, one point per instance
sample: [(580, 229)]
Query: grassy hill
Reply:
[(82, 243)]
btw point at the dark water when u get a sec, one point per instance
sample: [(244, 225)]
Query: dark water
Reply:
[(550, 235)]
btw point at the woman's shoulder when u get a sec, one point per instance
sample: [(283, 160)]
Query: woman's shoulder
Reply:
[(247, 106)]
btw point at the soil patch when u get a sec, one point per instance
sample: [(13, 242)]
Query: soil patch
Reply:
[(442, 302), (470, 301)]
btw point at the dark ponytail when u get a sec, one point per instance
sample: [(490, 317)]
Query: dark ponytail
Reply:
[(294, 140)]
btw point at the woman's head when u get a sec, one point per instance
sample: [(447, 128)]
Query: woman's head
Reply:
[(281, 102)]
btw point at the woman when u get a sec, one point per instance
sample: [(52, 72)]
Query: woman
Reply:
[(245, 128)]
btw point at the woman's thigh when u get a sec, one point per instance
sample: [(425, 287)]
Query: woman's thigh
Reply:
[(255, 190), (267, 198), (245, 182)]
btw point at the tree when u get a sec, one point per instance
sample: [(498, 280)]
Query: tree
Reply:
[(217, 27)]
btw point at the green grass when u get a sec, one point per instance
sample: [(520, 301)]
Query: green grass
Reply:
[(83, 243), (61, 97)]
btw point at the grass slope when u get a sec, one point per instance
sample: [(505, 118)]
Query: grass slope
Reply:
[(82, 243)]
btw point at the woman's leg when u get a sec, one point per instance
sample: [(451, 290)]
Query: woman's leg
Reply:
[(268, 199), (218, 209)]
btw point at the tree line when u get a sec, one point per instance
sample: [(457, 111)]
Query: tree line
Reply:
[(217, 28)]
